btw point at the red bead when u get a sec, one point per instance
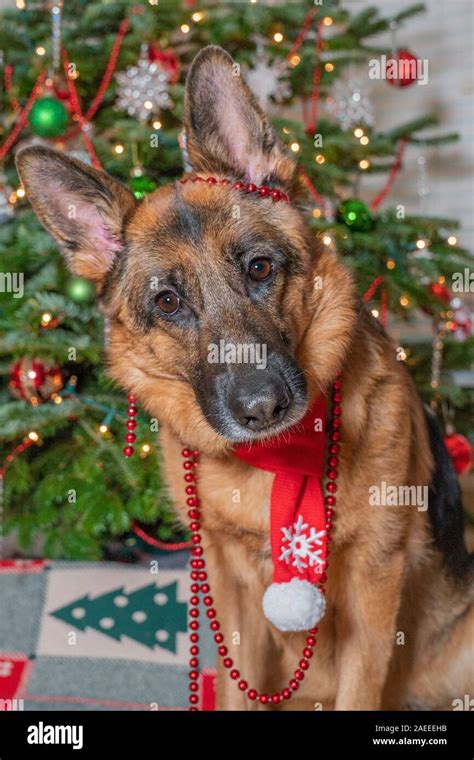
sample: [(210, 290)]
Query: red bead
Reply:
[(189, 477), (194, 526), (208, 600), (227, 662), (251, 188), (130, 437), (311, 641), (332, 474), (334, 448), (196, 539), (195, 453), (194, 638), (336, 423), (205, 588), (328, 525), (263, 699), (211, 613), (294, 685), (194, 514), (336, 435), (264, 191), (211, 180), (333, 461), (132, 411), (252, 694), (304, 664), (195, 562), (195, 588), (284, 197), (202, 577), (194, 650), (286, 693), (239, 185), (188, 465), (131, 399), (218, 638), (194, 613), (299, 675), (332, 487), (337, 385), (193, 686), (197, 551), (276, 699), (337, 397), (192, 501), (223, 651), (308, 652), (214, 626), (314, 630), (323, 579), (194, 699), (128, 451), (336, 410), (276, 194), (243, 685), (194, 575), (225, 182), (190, 490), (330, 500), (193, 675), (234, 674), (194, 625), (194, 600)]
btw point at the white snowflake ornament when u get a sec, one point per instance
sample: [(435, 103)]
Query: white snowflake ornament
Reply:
[(350, 104), (142, 89), (268, 79)]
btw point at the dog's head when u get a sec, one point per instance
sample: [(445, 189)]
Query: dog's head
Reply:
[(224, 317)]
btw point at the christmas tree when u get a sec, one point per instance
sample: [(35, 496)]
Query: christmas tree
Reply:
[(103, 81), (151, 615)]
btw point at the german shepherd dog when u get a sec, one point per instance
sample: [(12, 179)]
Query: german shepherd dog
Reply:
[(181, 270)]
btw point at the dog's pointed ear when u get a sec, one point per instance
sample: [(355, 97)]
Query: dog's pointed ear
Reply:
[(84, 209), (226, 130)]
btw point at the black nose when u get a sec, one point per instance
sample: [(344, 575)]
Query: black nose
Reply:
[(258, 401)]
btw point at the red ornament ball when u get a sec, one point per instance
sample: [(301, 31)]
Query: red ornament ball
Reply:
[(35, 380), (460, 451), (441, 291), (402, 68)]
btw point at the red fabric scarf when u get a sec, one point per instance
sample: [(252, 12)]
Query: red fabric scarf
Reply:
[(297, 517)]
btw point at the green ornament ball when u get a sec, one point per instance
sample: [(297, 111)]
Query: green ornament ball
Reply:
[(48, 117), (141, 186), (80, 290), (355, 214)]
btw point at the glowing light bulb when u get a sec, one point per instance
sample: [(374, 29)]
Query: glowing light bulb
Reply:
[(327, 240), (295, 147), (329, 66), (452, 240), (364, 164), (320, 159), (119, 149), (390, 264), (364, 140), (40, 50), (185, 28), (421, 244), (358, 132), (33, 436)]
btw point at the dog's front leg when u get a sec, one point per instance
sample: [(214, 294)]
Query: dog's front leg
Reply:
[(365, 623), (237, 595)]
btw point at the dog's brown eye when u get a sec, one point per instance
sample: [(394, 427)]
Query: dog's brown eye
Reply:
[(260, 269), (168, 302)]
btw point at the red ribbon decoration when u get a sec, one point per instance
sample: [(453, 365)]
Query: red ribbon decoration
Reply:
[(370, 292), (397, 165), (297, 459), (23, 117)]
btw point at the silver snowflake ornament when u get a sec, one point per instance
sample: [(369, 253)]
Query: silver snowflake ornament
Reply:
[(268, 79), (299, 546), (350, 105), (142, 90)]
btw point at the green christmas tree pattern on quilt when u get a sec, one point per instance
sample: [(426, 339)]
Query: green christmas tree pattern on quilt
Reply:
[(151, 615)]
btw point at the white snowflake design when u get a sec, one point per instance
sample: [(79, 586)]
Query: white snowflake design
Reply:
[(299, 547)]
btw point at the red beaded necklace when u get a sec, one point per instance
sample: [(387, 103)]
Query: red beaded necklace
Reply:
[(199, 579)]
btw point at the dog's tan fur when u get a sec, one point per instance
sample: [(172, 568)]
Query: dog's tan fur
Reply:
[(386, 577)]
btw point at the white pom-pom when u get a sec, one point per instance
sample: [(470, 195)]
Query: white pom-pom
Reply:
[(293, 606)]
